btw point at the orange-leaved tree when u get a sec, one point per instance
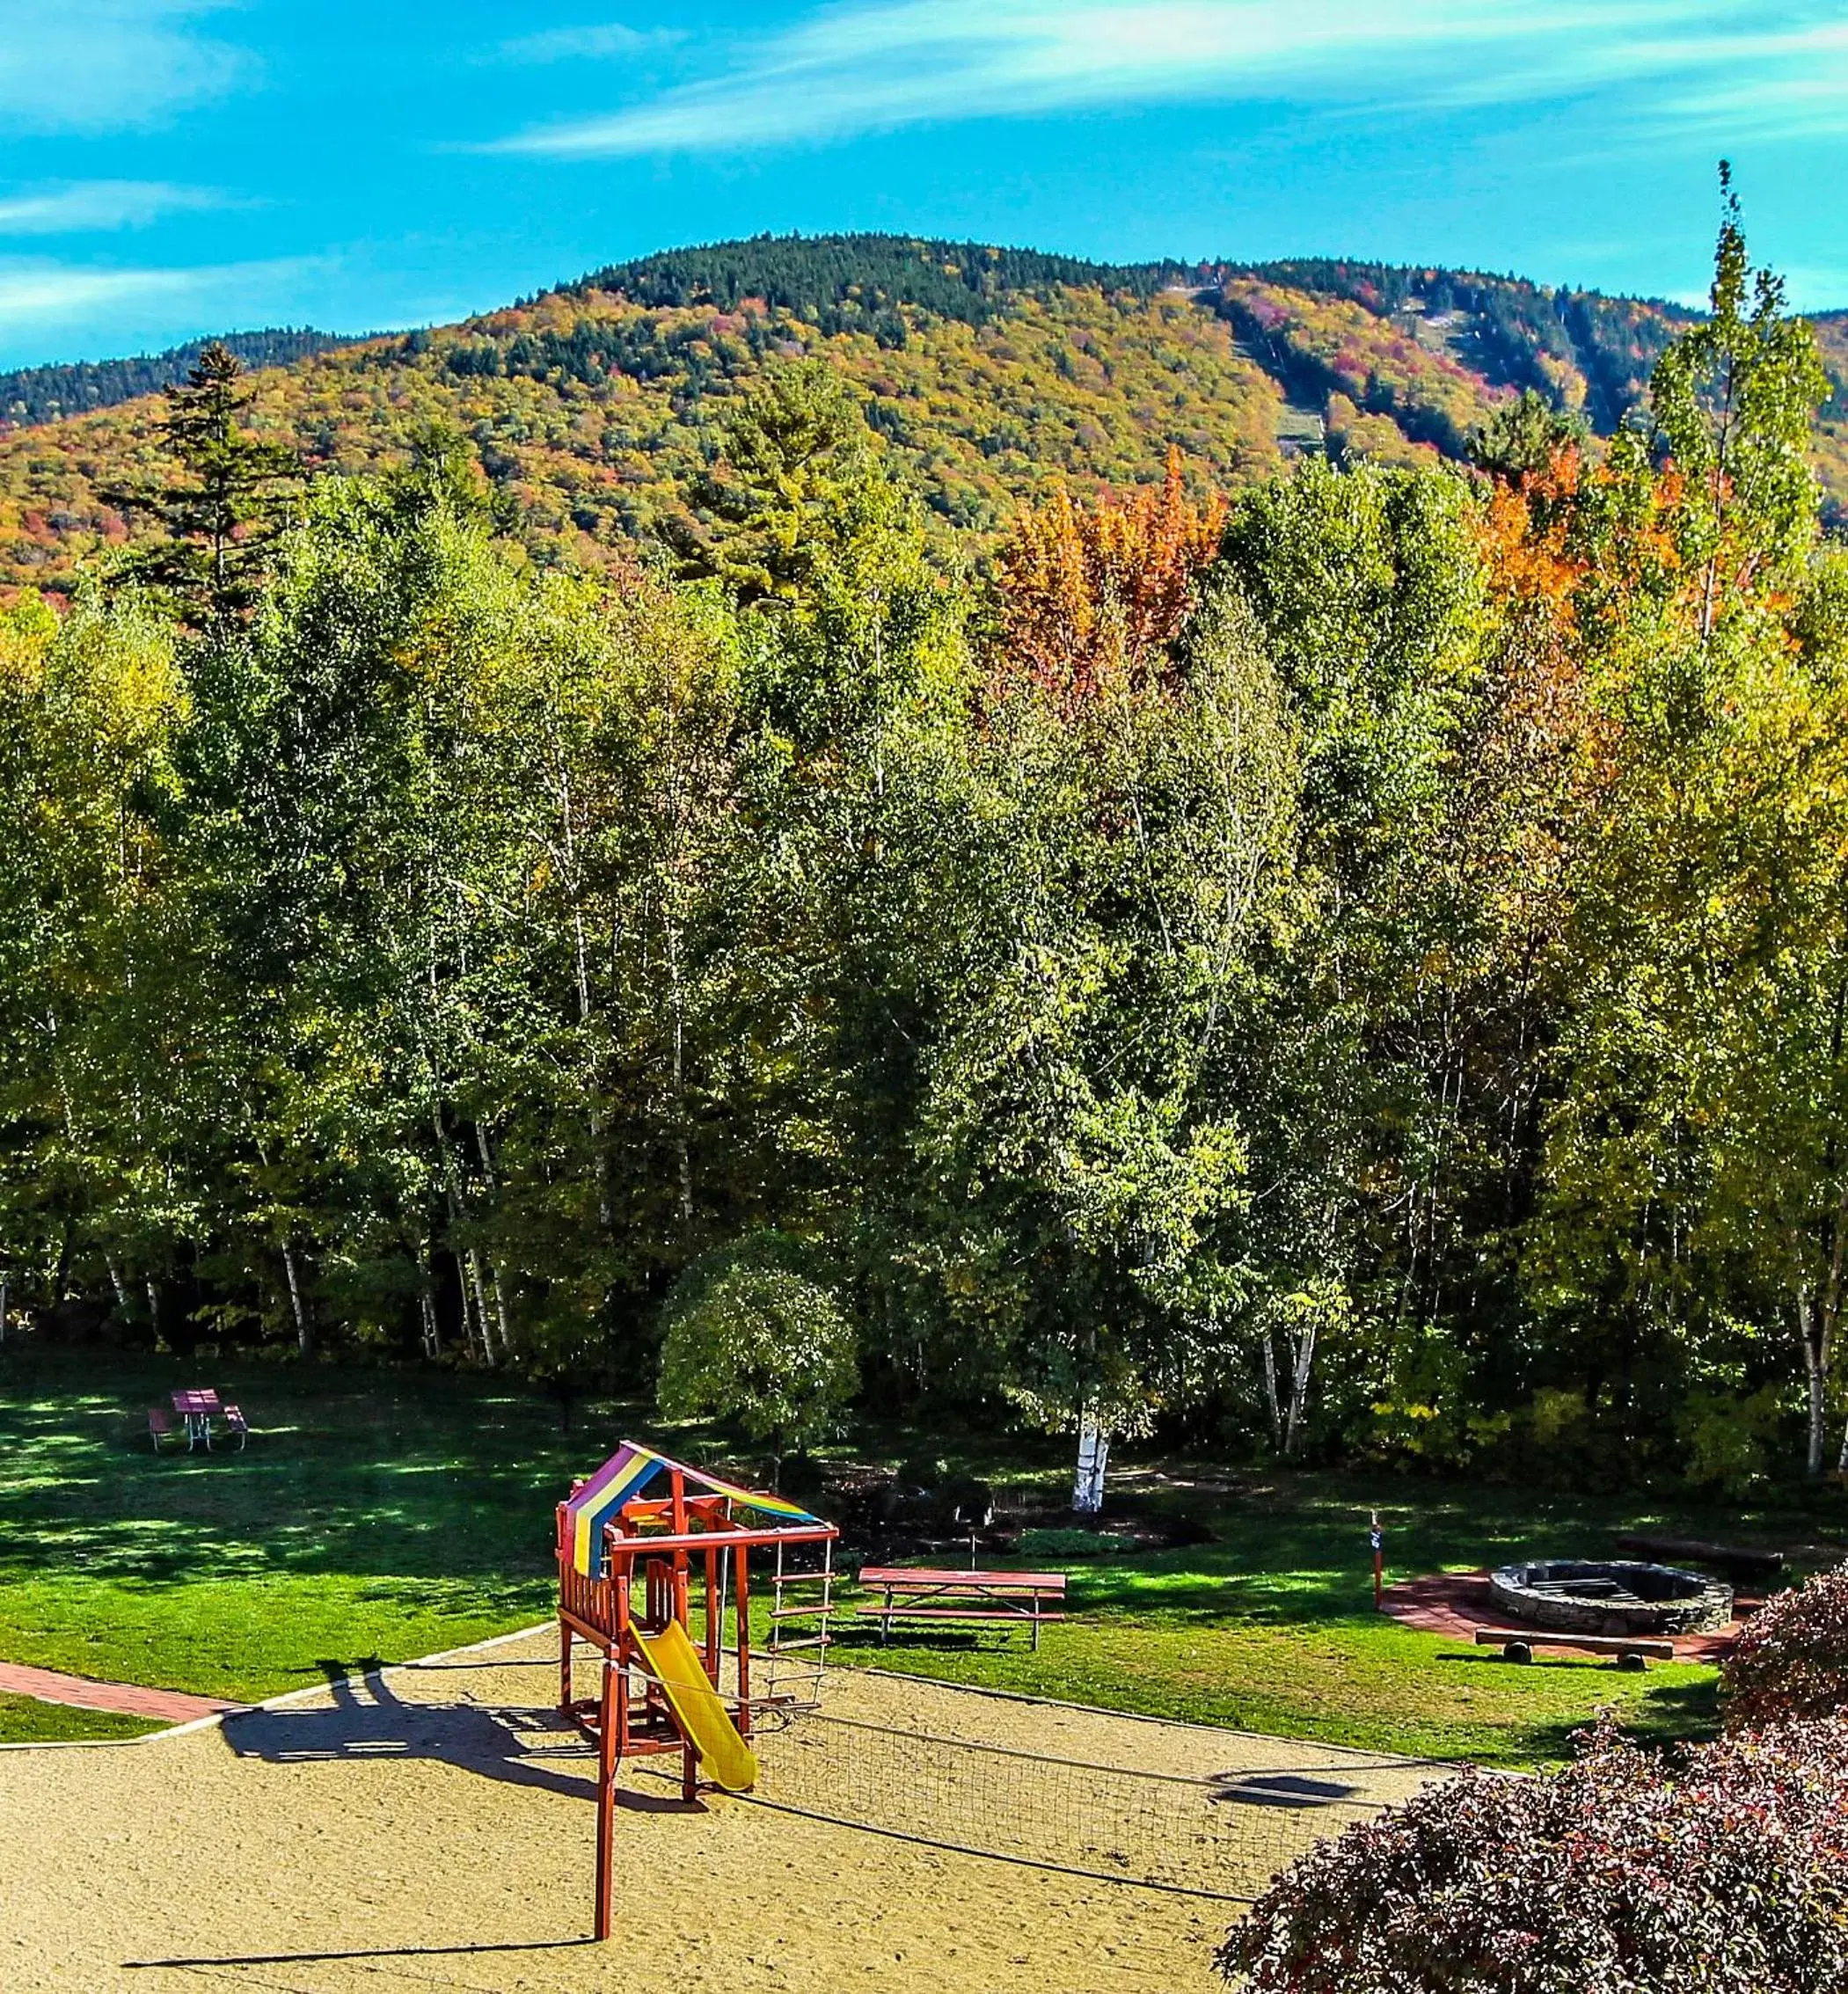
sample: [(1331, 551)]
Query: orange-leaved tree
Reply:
[(1091, 591)]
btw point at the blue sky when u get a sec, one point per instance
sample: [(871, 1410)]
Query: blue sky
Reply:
[(169, 167)]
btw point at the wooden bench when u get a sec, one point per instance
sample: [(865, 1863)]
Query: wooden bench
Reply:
[(911, 1592), (1632, 1651)]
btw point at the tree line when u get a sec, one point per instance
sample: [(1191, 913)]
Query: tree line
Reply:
[(43, 394), (1363, 967)]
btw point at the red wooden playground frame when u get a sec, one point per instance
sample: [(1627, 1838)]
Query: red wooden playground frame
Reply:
[(682, 1548)]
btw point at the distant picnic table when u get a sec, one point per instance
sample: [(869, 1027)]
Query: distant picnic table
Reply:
[(197, 1408), (914, 1592)]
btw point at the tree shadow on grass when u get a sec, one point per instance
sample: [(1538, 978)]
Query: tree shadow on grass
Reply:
[(864, 1644), (521, 1746), (350, 1473), (1665, 1715)]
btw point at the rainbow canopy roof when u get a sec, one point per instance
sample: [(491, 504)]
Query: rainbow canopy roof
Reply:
[(626, 1475)]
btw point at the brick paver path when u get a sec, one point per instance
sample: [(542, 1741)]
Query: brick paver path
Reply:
[(172, 1707), (1458, 1603)]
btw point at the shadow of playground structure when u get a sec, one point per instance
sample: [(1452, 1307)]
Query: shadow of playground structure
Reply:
[(523, 1746), (520, 1745)]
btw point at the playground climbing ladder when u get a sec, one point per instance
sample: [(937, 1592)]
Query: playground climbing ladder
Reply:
[(796, 1655)]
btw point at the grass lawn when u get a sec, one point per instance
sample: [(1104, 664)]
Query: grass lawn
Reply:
[(1271, 1626), (380, 1515), (375, 1515), (25, 1720)]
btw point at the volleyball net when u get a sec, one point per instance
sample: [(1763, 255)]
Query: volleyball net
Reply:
[(1224, 1836)]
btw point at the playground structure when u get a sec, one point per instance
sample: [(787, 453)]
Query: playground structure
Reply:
[(684, 1545)]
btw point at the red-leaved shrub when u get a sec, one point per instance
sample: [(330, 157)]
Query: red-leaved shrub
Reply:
[(1722, 1870), (1792, 1660)]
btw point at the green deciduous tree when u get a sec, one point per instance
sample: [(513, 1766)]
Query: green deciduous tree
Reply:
[(1696, 1164), (751, 1337)]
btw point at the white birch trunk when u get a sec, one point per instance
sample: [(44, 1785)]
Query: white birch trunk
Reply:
[(1270, 1393), (1299, 1385), (1814, 1379), (304, 1329), (1087, 1487)]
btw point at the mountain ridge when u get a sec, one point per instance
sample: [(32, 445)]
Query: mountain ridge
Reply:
[(31, 395), (991, 373)]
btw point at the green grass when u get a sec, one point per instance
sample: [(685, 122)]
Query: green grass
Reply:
[(381, 1514), (25, 1720), (1379, 1687), (1270, 1624), (373, 1516)]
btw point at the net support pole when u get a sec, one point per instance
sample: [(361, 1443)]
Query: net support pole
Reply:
[(606, 1766)]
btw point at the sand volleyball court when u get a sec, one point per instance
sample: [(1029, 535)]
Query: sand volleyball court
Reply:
[(431, 1828)]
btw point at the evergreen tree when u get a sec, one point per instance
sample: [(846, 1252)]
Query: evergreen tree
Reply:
[(222, 518), (1523, 436), (788, 455)]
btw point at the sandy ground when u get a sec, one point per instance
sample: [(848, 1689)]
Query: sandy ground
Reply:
[(431, 1828)]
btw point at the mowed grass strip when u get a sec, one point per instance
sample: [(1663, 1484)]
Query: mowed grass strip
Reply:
[(252, 1636), (25, 1720)]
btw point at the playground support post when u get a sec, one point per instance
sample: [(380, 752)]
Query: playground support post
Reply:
[(606, 1804), (741, 1610)]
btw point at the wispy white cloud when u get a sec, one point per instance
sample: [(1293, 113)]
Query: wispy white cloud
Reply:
[(597, 43), (51, 290), (82, 206), (860, 68), (101, 65), (1791, 84), (34, 290)]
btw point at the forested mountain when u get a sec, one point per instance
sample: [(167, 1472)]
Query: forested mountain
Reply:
[(1350, 962), (991, 374), (42, 394)]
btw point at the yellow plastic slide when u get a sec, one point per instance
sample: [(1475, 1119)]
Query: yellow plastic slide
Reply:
[(704, 1720)]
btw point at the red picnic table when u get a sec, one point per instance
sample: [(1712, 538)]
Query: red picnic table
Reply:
[(199, 1407), (915, 1592)]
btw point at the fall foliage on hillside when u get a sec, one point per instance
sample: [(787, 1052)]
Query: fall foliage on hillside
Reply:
[(990, 378)]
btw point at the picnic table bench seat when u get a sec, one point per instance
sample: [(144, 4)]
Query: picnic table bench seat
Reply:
[(914, 1592)]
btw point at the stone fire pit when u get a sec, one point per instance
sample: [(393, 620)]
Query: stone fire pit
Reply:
[(1614, 1597)]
